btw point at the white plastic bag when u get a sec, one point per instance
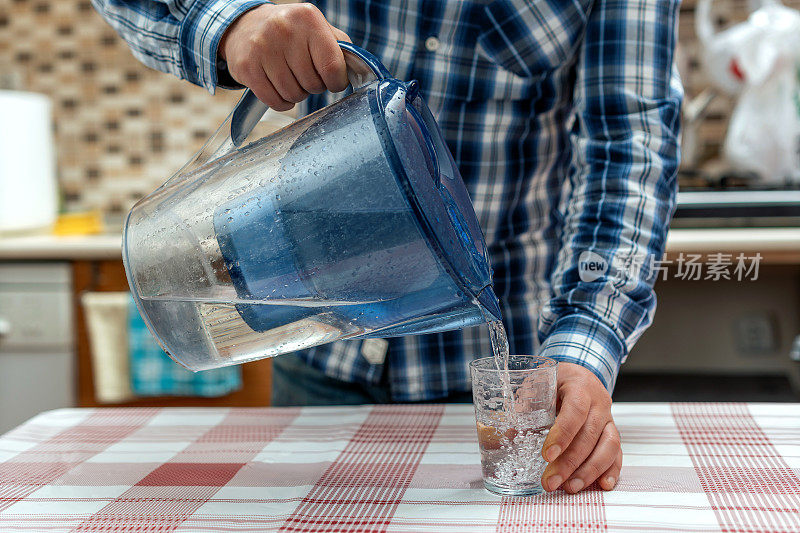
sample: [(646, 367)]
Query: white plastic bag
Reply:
[(759, 61), (764, 131)]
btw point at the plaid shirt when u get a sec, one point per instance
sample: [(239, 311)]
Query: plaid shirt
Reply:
[(563, 118)]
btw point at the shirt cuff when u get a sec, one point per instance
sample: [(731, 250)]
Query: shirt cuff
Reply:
[(200, 33), (586, 341)]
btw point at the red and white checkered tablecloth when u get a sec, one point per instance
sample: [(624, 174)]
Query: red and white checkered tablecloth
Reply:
[(688, 467)]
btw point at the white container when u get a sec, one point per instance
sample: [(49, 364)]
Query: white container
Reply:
[(28, 188)]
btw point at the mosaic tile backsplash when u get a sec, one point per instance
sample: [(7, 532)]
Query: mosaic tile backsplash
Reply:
[(122, 129)]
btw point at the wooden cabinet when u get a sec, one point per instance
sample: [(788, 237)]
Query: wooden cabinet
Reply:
[(109, 275)]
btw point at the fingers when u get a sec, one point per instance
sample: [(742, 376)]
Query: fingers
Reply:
[(323, 58), (258, 82), (284, 81), (576, 453), (302, 68), (570, 420), (610, 477), (599, 461), (328, 61)]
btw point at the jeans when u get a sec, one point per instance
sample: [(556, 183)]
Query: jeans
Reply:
[(295, 383)]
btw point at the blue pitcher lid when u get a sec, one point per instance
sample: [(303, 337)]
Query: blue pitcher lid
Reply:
[(434, 187)]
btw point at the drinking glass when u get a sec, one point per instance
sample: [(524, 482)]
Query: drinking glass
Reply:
[(514, 411)]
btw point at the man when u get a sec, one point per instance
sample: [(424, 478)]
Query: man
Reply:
[(563, 119)]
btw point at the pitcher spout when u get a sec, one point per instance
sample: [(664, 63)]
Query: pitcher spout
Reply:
[(489, 303)]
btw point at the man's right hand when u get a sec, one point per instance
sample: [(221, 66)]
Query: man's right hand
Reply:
[(283, 53)]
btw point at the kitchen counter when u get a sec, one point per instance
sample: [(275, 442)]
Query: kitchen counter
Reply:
[(51, 247), (688, 467), (778, 245)]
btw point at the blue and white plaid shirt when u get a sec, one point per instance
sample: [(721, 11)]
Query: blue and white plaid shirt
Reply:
[(563, 117)]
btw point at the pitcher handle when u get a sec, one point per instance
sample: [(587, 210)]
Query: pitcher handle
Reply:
[(362, 68)]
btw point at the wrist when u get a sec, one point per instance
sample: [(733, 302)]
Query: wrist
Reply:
[(224, 77), (201, 32), (585, 341)]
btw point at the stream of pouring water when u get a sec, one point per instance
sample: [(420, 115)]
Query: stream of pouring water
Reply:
[(500, 349)]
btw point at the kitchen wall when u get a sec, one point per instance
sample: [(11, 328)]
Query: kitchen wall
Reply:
[(121, 128)]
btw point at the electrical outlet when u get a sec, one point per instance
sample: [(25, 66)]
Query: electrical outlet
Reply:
[(756, 333), (794, 353)]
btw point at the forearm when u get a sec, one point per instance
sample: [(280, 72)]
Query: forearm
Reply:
[(179, 37), (622, 186)]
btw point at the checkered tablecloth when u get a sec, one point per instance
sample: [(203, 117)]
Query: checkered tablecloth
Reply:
[(688, 467)]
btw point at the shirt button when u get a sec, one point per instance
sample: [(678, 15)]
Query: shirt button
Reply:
[(431, 44)]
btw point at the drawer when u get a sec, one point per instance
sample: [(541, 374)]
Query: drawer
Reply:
[(35, 273), (35, 307)]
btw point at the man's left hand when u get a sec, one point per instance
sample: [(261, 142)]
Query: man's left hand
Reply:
[(583, 445)]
